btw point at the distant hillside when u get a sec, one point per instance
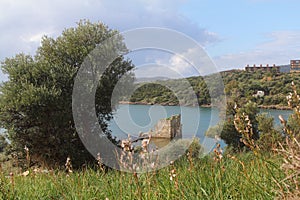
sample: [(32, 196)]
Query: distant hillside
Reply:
[(273, 89), (151, 79)]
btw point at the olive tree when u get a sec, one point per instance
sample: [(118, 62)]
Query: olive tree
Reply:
[(36, 101)]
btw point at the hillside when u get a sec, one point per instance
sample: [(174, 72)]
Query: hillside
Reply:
[(237, 84)]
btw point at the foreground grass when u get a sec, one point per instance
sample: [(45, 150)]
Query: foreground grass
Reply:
[(242, 177)]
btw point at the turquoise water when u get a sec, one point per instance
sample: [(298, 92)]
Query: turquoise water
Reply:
[(133, 119)]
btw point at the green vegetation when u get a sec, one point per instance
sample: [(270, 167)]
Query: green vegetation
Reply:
[(239, 84), (36, 101), (235, 177), (154, 94), (240, 116), (259, 162)]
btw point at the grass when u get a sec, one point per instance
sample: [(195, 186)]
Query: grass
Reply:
[(243, 176)]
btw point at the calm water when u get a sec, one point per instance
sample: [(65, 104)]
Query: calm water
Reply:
[(133, 119)]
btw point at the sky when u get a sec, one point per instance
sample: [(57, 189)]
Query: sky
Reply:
[(233, 33)]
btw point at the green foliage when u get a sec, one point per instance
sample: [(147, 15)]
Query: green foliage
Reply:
[(36, 102), (293, 123), (242, 177), (153, 93), (230, 134), (171, 91), (239, 85), (268, 135)]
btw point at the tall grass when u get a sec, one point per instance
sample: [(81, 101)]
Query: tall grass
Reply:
[(243, 176)]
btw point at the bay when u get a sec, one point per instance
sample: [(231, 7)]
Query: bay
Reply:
[(134, 119)]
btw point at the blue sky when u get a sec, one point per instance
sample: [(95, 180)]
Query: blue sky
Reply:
[(243, 24), (233, 32)]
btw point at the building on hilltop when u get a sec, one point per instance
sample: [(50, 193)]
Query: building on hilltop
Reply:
[(268, 68), (295, 65), (265, 68)]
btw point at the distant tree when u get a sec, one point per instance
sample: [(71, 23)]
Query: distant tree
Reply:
[(36, 101)]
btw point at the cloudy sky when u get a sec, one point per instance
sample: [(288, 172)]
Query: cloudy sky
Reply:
[(234, 33)]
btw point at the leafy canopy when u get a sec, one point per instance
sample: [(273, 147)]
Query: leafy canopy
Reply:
[(36, 101)]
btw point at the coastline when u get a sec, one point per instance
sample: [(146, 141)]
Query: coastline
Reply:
[(275, 107), (161, 104), (146, 103)]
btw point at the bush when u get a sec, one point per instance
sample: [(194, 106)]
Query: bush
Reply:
[(268, 135)]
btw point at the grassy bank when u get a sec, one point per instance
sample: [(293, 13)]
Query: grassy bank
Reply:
[(243, 176)]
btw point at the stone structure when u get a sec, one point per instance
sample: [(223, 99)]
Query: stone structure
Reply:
[(295, 65), (167, 128), (263, 68)]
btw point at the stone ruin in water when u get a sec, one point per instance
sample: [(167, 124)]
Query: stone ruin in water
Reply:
[(167, 128)]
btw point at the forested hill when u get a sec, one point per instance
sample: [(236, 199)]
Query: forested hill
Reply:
[(237, 84)]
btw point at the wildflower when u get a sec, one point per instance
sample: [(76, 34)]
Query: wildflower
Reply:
[(12, 180), (27, 156), (99, 162), (145, 144), (26, 173), (126, 145), (26, 148), (68, 165), (235, 106), (173, 175), (218, 153)]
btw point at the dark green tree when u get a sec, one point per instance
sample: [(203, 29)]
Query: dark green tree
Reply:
[(268, 135), (36, 101), (229, 133)]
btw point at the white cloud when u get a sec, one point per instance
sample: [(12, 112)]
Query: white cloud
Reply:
[(151, 70), (36, 38), (22, 23), (192, 62), (30, 18), (179, 63)]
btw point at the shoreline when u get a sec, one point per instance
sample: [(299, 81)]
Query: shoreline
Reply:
[(274, 107), (161, 104)]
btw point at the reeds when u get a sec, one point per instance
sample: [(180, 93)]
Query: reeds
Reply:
[(289, 150), (243, 125)]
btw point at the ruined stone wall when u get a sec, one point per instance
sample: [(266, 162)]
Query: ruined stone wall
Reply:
[(168, 128)]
